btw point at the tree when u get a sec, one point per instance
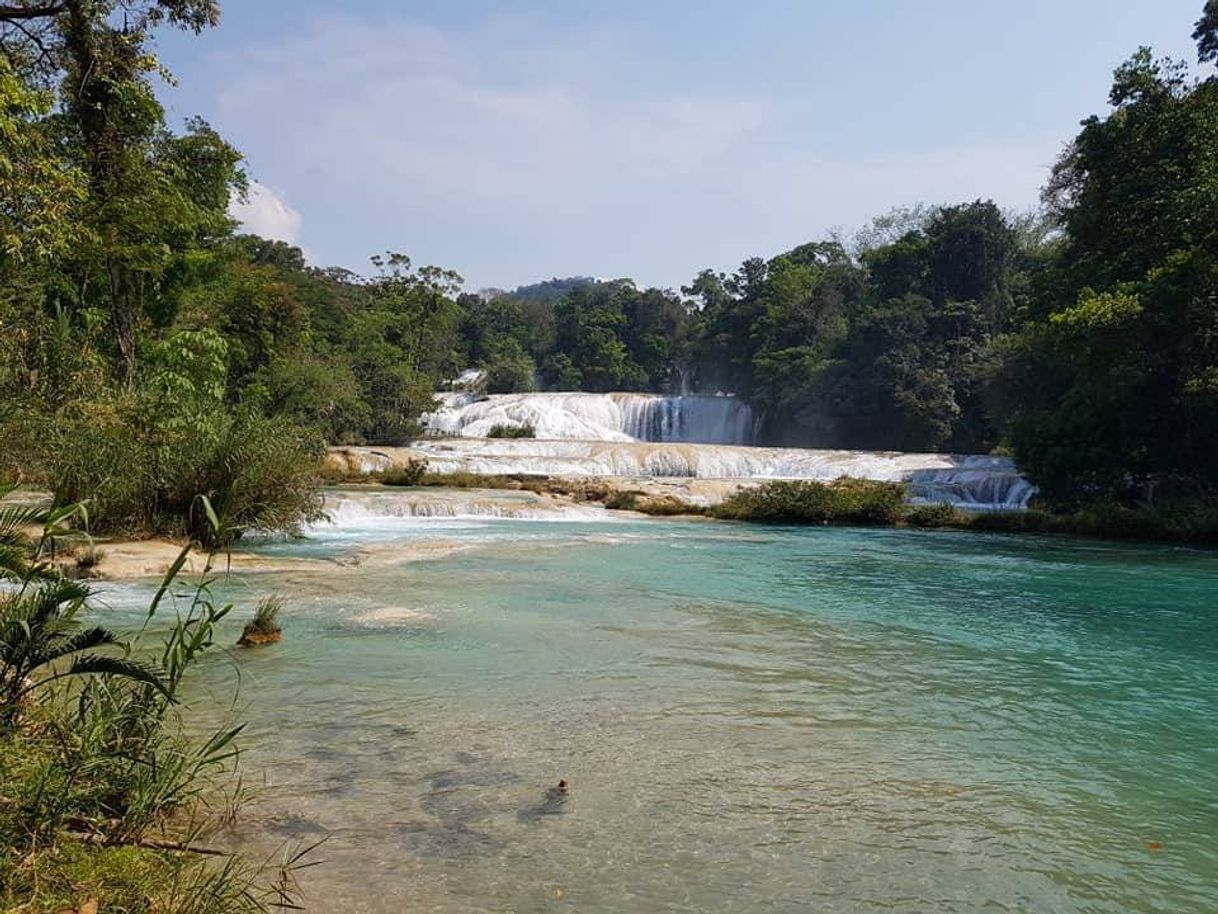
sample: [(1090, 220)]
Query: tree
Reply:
[(1206, 33), (1116, 374), (148, 194)]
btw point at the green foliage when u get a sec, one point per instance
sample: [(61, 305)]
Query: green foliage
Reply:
[(512, 431), (842, 501), (666, 506), (408, 474), (258, 472), (41, 637), (938, 515), (509, 369), (98, 770), (38, 185), (1109, 378)]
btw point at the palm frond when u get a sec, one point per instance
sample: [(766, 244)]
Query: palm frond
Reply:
[(117, 666)]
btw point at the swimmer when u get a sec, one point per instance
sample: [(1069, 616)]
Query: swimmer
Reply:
[(552, 804)]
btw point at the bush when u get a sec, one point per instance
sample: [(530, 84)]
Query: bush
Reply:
[(512, 431), (668, 506), (620, 500), (104, 784), (409, 474), (941, 515), (843, 501), (257, 473), (1030, 521)]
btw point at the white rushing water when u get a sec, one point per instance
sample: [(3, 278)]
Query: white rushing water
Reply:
[(598, 417), (973, 481), (691, 437), (362, 509)]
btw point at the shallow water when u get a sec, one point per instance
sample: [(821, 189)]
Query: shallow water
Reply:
[(753, 719)]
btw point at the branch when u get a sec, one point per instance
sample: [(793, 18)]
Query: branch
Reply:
[(44, 53), (94, 838), (13, 13)]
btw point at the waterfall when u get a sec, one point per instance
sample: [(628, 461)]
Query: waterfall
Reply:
[(354, 509), (598, 417), (689, 437), (976, 482)]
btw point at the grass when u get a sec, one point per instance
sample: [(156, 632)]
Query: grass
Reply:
[(105, 794), (266, 618)]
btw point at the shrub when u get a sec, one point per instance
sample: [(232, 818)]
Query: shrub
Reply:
[(257, 472), (409, 474), (512, 431), (843, 501), (101, 777), (620, 500), (1030, 521), (942, 514), (668, 506)]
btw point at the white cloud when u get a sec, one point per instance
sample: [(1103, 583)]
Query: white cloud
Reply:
[(510, 151), (265, 213)]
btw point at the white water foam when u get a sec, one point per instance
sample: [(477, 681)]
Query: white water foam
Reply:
[(598, 417), (359, 510), (973, 481)]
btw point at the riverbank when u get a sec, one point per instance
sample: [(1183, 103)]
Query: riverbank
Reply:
[(795, 501), (527, 497)]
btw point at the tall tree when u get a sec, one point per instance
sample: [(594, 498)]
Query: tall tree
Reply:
[(1117, 375)]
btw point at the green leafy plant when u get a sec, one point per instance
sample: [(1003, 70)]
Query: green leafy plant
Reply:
[(942, 514), (842, 501), (503, 430), (41, 638), (408, 474)]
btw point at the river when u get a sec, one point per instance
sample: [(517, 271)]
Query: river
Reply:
[(751, 718)]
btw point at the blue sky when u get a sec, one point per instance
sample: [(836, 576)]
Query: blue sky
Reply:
[(518, 141)]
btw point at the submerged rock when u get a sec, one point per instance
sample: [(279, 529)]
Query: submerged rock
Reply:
[(254, 639)]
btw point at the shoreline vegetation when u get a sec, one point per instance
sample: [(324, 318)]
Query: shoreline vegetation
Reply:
[(151, 353), (845, 501), (107, 794)]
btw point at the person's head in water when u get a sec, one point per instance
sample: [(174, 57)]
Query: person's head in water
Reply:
[(564, 786)]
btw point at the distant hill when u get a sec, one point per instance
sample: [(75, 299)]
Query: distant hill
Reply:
[(551, 289)]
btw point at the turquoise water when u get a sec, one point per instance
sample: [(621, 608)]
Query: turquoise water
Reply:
[(752, 719)]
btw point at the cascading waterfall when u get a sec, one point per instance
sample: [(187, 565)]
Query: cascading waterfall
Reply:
[(347, 509), (599, 417), (695, 437)]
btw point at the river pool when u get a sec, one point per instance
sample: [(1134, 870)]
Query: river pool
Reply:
[(751, 718)]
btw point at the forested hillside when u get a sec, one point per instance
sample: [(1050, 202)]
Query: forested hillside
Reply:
[(150, 352)]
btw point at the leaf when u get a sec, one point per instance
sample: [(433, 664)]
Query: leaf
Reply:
[(116, 666), (170, 576)]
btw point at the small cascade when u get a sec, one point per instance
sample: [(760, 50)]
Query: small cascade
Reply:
[(971, 481), (598, 417), (997, 486), (348, 509)]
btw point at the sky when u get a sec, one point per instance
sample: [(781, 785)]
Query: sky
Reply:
[(517, 141)]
